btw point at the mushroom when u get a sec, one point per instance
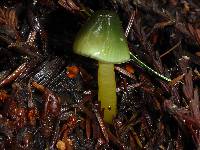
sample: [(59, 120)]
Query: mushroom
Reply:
[(102, 39)]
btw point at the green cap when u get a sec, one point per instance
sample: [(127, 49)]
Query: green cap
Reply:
[(102, 38)]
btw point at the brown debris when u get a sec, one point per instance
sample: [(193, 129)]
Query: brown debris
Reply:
[(48, 94)]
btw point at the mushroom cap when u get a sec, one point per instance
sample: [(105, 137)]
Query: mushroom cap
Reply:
[(102, 38)]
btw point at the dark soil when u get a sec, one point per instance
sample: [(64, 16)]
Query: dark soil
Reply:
[(49, 95)]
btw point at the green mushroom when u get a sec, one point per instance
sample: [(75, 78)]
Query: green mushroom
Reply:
[(102, 39)]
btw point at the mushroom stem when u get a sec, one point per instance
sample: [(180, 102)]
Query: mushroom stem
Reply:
[(107, 90)]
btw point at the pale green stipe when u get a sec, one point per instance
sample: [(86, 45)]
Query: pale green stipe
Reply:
[(102, 38), (143, 65), (107, 90)]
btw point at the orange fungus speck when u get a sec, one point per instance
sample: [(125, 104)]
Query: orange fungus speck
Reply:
[(129, 68), (72, 71)]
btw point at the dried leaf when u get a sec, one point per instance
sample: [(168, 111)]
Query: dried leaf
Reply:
[(195, 33), (8, 17), (194, 105), (69, 5), (188, 86), (176, 80)]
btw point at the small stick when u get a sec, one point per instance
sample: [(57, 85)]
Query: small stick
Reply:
[(139, 62), (124, 72), (171, 49), (14, 75), (130, 23), (102, 125)]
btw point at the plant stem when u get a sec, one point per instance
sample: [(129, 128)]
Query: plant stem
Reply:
[(143, 65), (107, 90)]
